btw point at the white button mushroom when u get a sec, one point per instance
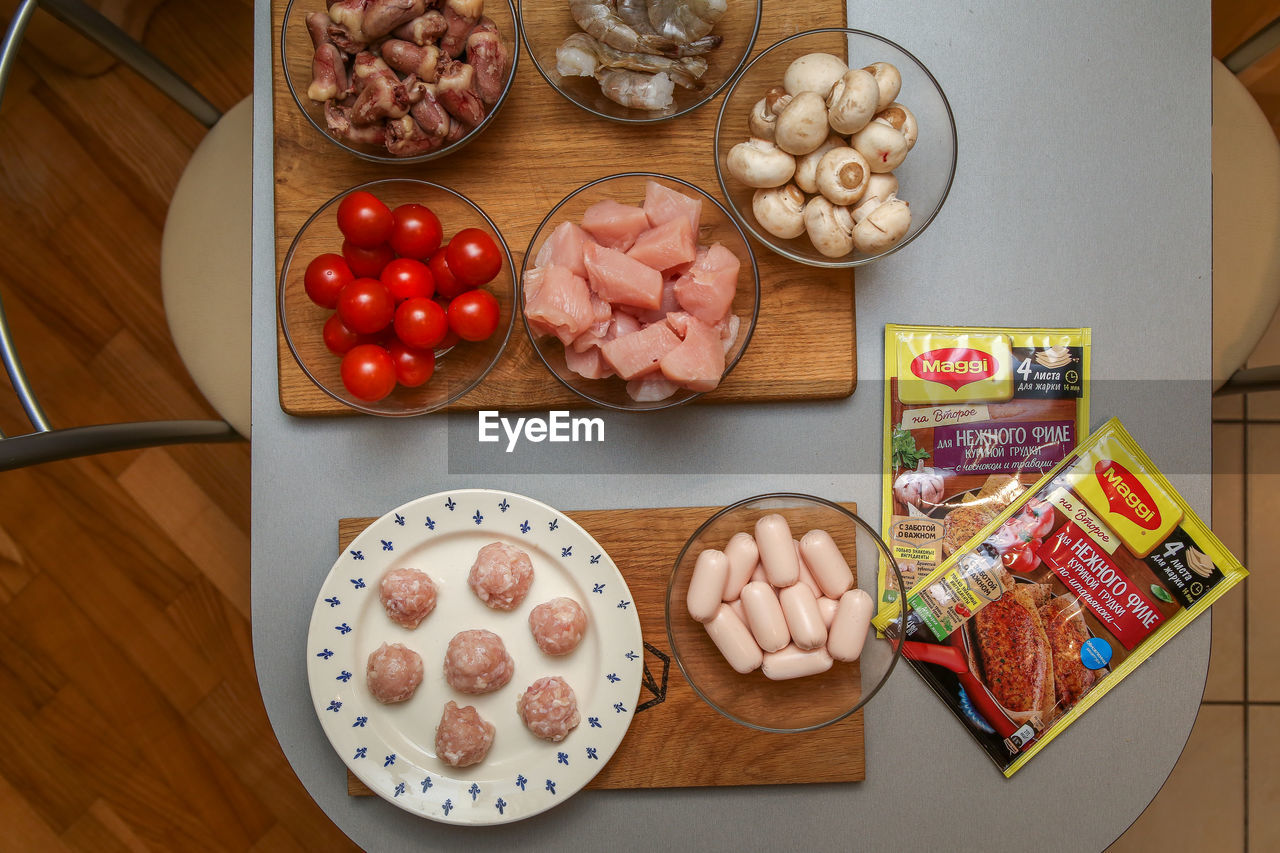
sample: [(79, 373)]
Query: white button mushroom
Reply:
[(883, 227), (903, 120), (882, 144), (853, 101), (880, 186), (780, 210), (842, 175), (802, 126), (888, 79), (764, 115), (806, 176), (830, 227), (760, 163), (814, 72)]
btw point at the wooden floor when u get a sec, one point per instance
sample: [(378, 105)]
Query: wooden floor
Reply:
[(130, 717)]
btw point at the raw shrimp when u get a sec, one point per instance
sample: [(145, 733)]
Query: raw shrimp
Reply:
[(583, 56), (599, 18), (636, 90), (685, 21)]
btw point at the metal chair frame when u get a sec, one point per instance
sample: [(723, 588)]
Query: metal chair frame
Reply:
[(47, 444)]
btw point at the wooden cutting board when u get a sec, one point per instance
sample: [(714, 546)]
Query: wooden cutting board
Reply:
[(538, 150), (676, 740)]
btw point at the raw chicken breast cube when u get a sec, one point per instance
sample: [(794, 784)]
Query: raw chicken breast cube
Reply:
[(651, 388), (615, 225), (561, 305), (564, 249), (698, 362), (601, 321), (639, 352), (662, 204), (707, 290), (589, 364), (666, 245), (620, 279)]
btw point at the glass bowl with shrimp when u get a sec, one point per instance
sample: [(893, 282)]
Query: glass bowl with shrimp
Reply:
[(639, 292), (835, 147), (399, 81), (639, 61)]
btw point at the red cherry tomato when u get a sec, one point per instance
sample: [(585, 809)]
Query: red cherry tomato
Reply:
[(368, 372), (447, 284), (474, 315), (421, 323), (1022, 556), (416, 233), (473, 256), (364, 220), (451, 338), (338, 339), (326, 275), (406, 278), (413, 366), (365, 306), (367, 263)]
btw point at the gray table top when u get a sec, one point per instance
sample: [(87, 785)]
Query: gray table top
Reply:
[(1082, 197)]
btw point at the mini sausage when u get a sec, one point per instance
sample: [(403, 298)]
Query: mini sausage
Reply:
[(804, 620), (758, 575), (806, 576), (794, 662), (764, 616), (849, 627), (827, 607), (707, 584), (773, 537), (734, 641), (741, 612), (829, 567), (743, 556)]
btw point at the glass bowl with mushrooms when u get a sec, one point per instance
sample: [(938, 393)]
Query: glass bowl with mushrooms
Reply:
[(639, 292), (768, 616), (397, 297), (835, 147), (635, 61), (399, 81)]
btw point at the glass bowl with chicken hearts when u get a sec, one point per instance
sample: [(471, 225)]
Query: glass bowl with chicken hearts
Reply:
[(639, 61), (399, 81), (639, 292)]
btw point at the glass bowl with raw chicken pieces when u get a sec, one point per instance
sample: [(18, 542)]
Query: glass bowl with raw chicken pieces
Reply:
[(823, 160), (639, 60), (639, 292), (399, 80), (476, 661)]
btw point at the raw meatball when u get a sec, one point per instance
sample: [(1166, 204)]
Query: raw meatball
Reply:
[(408, 595), (462, 738), (501, 576), (394, 673), (558, 625), (477, 662), (549, 708)]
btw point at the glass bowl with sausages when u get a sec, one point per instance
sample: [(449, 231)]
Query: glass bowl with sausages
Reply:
[(768, 617), (399, 81)]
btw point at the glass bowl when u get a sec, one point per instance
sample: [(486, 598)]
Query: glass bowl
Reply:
[(796, 705), (296, 53), (458, 369), (924, 177), (545, 25), (717, 226)]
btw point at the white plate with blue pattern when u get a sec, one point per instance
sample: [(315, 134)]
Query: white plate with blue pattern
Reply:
[(391, 748)]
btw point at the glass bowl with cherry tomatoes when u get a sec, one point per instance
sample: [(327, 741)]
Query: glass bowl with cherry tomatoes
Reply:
[(397, 297)]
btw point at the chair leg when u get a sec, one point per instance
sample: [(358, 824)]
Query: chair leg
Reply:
[(96, 27), (23, 450)]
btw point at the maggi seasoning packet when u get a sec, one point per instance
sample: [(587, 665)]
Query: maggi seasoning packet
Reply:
[(1064, 593)]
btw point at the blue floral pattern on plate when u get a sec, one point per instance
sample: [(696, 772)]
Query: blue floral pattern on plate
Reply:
[(416, 781)]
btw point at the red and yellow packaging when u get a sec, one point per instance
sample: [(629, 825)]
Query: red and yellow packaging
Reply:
[(1080, 579)]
